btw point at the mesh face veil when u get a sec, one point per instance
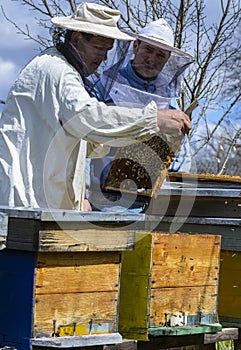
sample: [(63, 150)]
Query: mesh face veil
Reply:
[(118, 83)]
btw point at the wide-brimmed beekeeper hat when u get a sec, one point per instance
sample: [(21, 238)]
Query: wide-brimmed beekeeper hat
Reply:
[(93, 19), (159, 33)]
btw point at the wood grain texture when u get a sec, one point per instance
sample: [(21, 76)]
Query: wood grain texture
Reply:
[(76, 293), (76, 258), (85, 240), (167, 302), (168, 280), (23, 234), (185, 260), (55, 310), (134, 289), (204, 178), (34, 235), (77, 279)]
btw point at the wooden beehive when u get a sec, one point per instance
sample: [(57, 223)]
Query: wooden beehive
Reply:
[(60, 278), (141, 167), (169, 285), (213, 206), (76, 293)]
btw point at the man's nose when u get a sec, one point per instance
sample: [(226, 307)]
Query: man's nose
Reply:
[(151, 58)]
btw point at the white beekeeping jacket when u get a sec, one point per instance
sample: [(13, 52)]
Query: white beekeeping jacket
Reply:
[(47, 123)]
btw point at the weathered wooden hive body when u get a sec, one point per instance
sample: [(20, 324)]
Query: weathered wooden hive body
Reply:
[(209, 204), (169, 285), (59, 278)]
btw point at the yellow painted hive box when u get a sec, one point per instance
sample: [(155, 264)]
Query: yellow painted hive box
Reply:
[(169, 285)]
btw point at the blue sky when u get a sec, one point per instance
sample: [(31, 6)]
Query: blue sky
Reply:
[(15, 50)]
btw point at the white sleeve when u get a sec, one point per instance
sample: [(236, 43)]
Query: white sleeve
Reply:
[(85, 117)]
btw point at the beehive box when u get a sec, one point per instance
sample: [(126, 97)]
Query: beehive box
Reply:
[(76, 294), (60, 281), (213, 205), (169, 285)]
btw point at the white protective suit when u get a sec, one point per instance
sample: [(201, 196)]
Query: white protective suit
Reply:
[(44, 127)]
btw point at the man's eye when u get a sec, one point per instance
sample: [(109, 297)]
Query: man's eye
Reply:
[(149, 50)]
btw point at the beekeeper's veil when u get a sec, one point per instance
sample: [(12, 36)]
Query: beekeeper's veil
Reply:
[(120, 85)]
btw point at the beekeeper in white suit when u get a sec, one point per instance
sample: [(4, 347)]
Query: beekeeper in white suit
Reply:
[(50, 123)]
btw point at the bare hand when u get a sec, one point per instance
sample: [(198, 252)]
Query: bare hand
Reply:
[(173, 122), (87, 206)]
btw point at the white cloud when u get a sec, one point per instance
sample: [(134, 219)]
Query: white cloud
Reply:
[(8, 71)]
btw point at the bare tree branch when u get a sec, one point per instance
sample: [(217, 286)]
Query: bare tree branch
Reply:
[(228, 154), (212, 82)]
